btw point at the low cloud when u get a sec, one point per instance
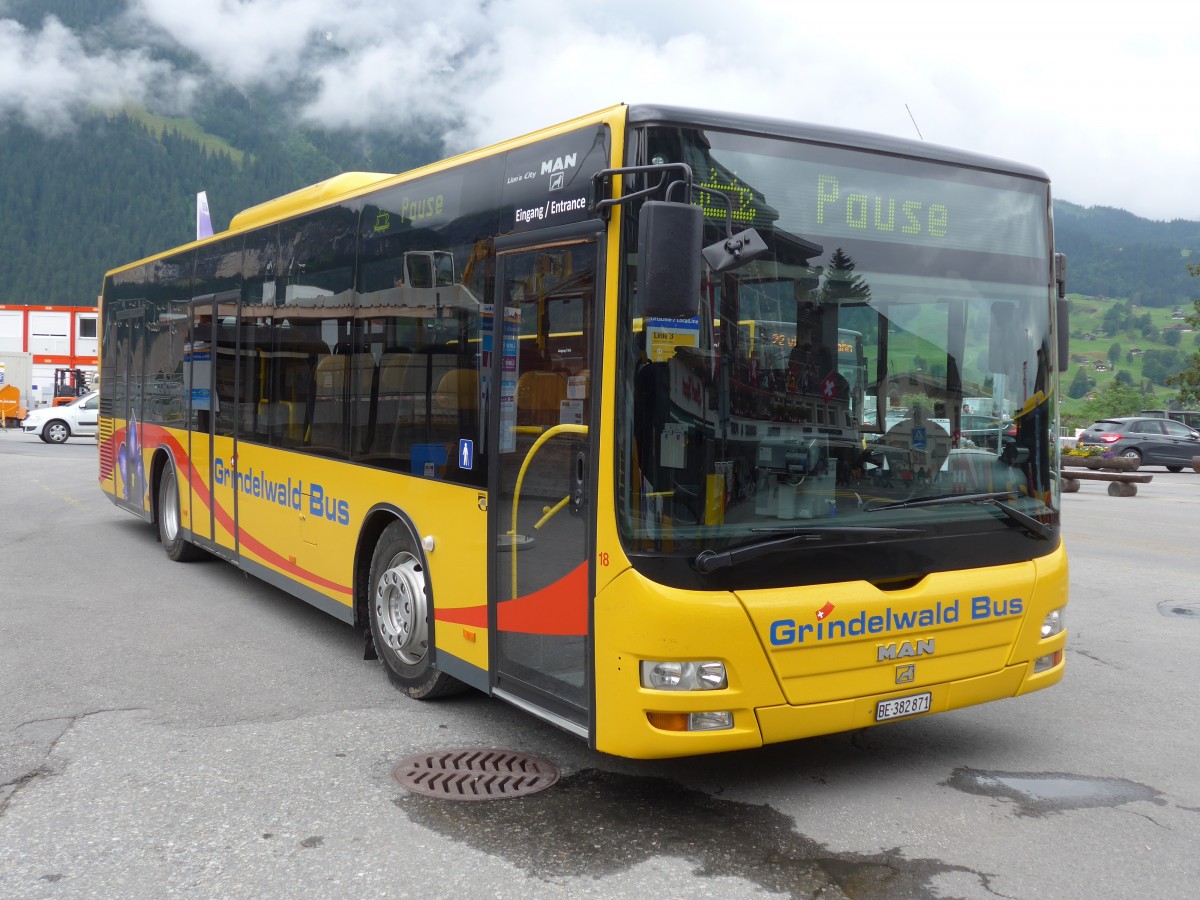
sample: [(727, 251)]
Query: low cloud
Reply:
[(1104, 105), (50, 77)]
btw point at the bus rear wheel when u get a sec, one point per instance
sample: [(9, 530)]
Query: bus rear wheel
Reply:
[(170, 525), (399, 607)]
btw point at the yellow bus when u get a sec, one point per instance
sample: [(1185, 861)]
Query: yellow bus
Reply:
[(470, 411)]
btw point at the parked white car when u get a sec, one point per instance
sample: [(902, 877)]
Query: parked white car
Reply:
[(54, 424)]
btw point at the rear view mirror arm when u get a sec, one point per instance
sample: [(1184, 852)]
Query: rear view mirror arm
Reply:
[(602, 184)]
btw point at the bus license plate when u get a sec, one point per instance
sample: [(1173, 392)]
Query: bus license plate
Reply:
[(898, 707)]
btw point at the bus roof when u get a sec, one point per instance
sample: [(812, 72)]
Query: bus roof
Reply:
[(305, 198), (351, 184), (644, 114)]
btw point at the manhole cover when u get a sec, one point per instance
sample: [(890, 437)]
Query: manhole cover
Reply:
[(475, 774)]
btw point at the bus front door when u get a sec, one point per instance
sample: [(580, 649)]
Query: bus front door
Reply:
[(541, 513)]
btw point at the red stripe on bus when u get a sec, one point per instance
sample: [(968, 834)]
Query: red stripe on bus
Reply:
[(155, 435), (559, 609), (471, 616)]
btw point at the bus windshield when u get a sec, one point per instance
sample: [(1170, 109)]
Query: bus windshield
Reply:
[(891, 346)]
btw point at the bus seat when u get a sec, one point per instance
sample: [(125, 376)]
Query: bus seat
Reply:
[(458, 391), (539, 398), (362, 384), (401, 381), (281, 418), (329, 391)]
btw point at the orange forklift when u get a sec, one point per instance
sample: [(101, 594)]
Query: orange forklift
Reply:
[(68, 384)]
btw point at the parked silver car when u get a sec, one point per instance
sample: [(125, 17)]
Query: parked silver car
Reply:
[(54, 424)]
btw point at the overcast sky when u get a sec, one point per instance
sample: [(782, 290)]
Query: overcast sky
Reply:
[(1105, 101)]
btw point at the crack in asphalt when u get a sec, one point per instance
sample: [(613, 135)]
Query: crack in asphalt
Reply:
[(10, 789)]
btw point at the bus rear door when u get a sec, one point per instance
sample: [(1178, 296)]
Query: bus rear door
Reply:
[(130, 366)]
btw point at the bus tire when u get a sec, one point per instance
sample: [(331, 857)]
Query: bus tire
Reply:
[(399, 608), (170, 525)]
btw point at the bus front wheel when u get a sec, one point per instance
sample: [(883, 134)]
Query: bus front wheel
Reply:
[(399, 608)]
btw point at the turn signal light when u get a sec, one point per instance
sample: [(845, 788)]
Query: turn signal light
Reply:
[(717, 720), (668, 721)]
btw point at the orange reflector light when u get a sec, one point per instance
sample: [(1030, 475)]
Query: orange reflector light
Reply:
[(668, 721), (468, 636)]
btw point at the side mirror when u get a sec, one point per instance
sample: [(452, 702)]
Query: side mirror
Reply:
[(669, 244), (1063, 311), (1063, 308)]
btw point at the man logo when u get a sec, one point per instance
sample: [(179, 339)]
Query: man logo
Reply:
[(559, 164), (906, 674), (556, 168), (903, 650)]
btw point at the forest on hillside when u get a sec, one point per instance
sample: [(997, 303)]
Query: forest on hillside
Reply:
[(1113, 253), (112, 192)]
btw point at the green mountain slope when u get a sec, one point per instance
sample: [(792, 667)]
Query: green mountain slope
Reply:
[(124, 186), (1113, 253)]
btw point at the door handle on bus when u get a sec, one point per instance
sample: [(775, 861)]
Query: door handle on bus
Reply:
[(579, 478)]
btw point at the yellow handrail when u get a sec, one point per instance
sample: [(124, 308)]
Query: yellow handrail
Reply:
[(546, 435), (549, 511)]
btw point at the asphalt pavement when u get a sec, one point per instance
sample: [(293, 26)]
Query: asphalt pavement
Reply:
[(182, 730)]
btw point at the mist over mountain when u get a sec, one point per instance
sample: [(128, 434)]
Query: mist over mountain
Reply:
[(114, 113)]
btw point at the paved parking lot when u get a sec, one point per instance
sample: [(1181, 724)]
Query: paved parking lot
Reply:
[(173, 729)]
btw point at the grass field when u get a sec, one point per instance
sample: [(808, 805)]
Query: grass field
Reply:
[(1090, 344), (156, 125)]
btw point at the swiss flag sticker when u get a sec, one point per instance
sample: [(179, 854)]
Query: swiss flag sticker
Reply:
[(824, 612)]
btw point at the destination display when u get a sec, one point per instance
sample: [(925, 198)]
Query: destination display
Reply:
[(789, 186)]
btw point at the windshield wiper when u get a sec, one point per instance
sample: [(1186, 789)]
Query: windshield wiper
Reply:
[(711, 560), (996, 499)]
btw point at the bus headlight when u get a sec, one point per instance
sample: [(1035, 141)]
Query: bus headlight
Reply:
[(1053, 623), (707, 675)]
